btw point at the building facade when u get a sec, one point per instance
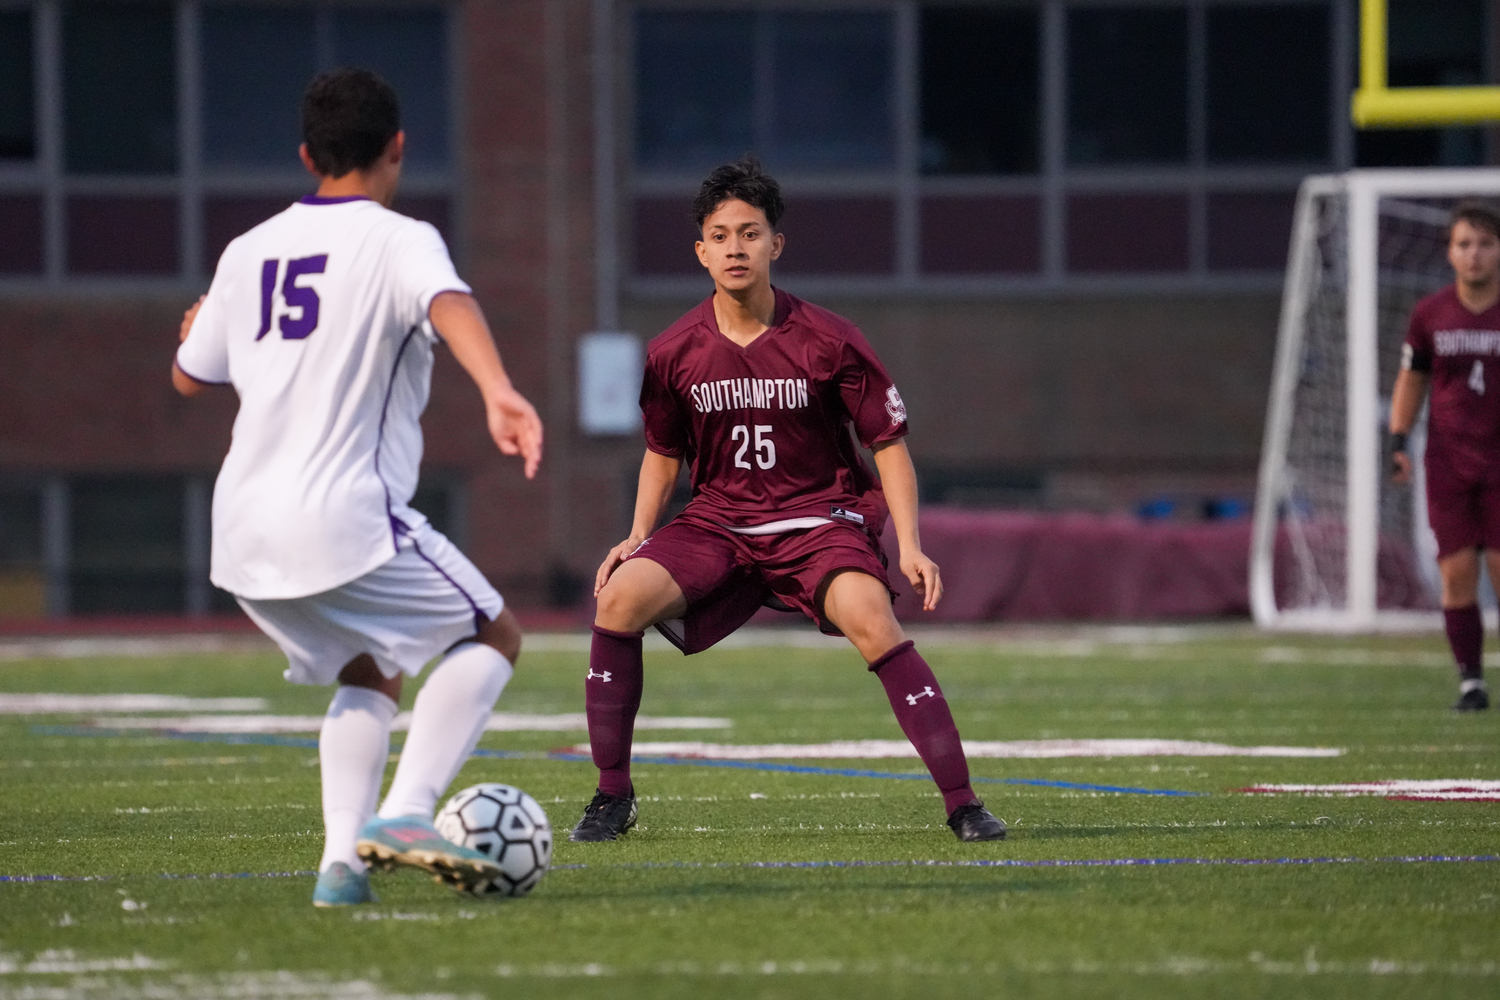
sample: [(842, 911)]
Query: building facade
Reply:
[(1062, 224)]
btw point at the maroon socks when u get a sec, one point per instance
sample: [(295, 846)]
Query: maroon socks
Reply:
[(1466, 637), (923, 713), (612, 696)]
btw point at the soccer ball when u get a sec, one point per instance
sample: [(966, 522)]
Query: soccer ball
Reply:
[(506, 824)]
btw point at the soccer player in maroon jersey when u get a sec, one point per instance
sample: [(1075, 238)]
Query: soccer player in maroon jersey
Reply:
[(1453, 347), (755, 390)]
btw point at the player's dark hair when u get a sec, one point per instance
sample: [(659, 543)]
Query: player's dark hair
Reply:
[(745, 180), (1479, 214), (349, 116)]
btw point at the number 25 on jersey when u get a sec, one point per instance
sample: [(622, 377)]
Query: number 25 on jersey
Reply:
[(765, 448), (296, 297)]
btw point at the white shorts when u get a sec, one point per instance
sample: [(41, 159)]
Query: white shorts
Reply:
[(403, 613)]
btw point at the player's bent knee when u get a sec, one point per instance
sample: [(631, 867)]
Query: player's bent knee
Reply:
[(503, 634), (620, 607), (362, 672)]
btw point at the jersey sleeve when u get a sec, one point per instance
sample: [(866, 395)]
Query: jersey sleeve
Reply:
[(422, 270), (1416, 350), (665, 423), (204, 355), (868, 393)]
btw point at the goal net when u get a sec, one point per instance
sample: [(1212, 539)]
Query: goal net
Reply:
[(1336, 545)]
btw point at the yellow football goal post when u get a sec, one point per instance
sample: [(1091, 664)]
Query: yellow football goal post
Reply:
[(1377, 105)]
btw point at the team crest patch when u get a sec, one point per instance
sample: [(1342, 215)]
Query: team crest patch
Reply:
[(894, 406)]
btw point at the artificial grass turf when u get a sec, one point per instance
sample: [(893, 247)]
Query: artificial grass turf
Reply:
[(673, 909)]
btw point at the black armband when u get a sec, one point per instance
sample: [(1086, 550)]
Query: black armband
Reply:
[(1398, 442)]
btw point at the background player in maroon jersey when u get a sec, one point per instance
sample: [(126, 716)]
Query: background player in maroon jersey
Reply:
[(1453, 346), (755, 390)]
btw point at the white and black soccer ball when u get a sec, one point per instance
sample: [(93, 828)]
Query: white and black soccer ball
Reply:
[(506, 824)]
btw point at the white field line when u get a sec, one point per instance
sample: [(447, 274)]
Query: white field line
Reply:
[(59, 704), (232, 986), (1029, 749), (500, 722), (1459, 790), (43, 648), (67, 961)]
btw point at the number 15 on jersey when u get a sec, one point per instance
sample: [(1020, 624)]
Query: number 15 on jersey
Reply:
[(765, 448), (304, 300)]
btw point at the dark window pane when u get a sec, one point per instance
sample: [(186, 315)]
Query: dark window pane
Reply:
[(695, 75), (224, 218), (839, 236), (1433, 43), (1123, 233), (20, 526), (1268, 84), (256, 62), (994, 235), (21, 224), (1127, 85), (127, 536), (110, 235), (17, 91), (980, 104), (664, 237), (831, 101), (120, 88), (410, 49), (1249, 231)]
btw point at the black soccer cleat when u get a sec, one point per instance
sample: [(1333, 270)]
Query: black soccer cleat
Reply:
[(974, 822), (605, 818), (1472, 697)]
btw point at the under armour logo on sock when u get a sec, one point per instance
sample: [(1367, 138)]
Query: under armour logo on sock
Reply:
[(604, 676), (926, 692)]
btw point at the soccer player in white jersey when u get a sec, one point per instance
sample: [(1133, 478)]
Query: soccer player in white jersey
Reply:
[(323, 318)]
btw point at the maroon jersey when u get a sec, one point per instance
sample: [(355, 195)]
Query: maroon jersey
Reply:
[(765, 428), (1461, 352)]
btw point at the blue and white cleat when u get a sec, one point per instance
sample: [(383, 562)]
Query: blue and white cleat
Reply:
[(341, 885), (413, 842)]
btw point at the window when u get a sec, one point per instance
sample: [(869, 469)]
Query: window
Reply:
[(179, 125), (980, 90), (1127, 85), (805, 90), (127, 540), (1268, 84), (17, 87), (256, 60), (120, 88), (997, 145)]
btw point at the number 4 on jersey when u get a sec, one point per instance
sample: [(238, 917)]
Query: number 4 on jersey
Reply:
[(304, 300), (1476, 378)]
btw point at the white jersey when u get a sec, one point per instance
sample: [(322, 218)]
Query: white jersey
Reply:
[(318, 318)]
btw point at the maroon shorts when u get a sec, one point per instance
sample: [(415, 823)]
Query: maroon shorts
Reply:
[(727, 577), (1463, 501)]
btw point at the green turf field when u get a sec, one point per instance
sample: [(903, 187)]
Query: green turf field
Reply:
[(680, 909)]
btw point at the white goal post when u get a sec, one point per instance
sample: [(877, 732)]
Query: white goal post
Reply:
[(1335, 546)]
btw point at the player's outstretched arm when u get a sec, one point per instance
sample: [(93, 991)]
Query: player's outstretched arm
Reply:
[(653, 492), (898, 479), (514, 424), (1406, 403)]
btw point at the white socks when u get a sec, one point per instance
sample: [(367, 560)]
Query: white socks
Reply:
[(352, 749), (449, 717)]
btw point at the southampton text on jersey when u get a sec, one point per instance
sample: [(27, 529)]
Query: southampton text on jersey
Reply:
[(749, 393), (1446, 343)]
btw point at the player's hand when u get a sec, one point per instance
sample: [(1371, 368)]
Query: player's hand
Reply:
[(188, 317), (922, 574), (1400, 467), (612, 561), (515, 427)]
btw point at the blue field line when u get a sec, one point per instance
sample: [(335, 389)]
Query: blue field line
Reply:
[(960, 863), (271, 739)]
